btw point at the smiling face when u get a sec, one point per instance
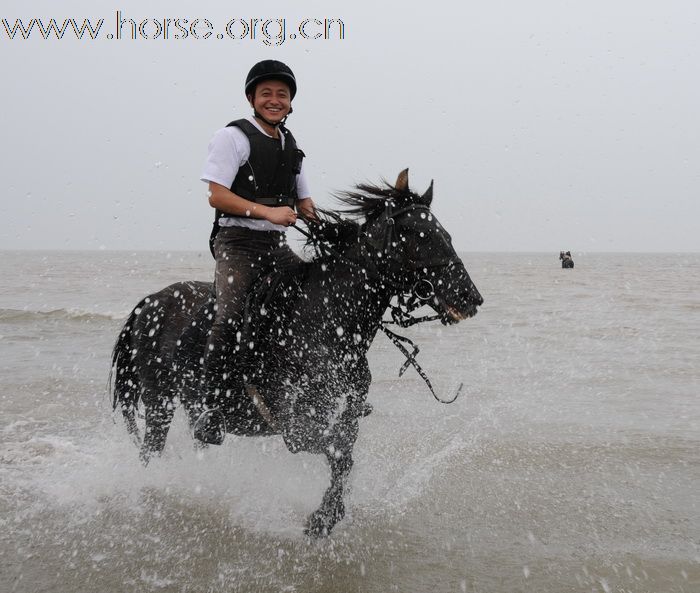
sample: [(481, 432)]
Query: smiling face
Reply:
[(272, 100)]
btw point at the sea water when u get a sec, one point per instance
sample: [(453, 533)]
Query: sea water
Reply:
[(569, 463)]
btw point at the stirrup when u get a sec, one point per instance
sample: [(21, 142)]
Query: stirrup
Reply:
[(210, 427)]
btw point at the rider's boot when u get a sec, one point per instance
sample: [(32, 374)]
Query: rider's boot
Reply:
[(210, 426)]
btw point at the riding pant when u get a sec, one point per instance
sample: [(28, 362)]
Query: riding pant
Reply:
[(242, 256)]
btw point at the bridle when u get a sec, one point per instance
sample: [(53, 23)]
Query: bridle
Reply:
[(380, 239)]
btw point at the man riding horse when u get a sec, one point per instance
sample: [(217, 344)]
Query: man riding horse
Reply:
[(285, 355), (257, 186), (566, 260), (307, 334)]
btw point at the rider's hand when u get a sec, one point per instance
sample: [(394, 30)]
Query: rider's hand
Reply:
[(307, 210), (283, 215)]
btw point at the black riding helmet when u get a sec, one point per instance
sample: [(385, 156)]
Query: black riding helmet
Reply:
[(270, 70)]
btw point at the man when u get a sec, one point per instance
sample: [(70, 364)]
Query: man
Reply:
[(257, 186)]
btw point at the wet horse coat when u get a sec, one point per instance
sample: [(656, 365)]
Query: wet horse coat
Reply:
[(307, 336)]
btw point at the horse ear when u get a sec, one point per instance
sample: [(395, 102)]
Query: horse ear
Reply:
[(402, 181), (427, 197)]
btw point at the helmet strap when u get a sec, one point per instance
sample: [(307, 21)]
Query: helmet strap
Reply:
[(267, 121)]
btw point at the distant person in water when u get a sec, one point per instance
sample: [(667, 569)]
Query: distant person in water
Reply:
[(258, 188), (566, 259)]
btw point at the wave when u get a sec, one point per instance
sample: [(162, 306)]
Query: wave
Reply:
[(21, 315)]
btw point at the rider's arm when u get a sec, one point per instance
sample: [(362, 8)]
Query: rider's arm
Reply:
[(224, 199), (305, 205)]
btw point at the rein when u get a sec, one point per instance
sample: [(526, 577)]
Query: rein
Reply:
[(400, 314), (411, 360)]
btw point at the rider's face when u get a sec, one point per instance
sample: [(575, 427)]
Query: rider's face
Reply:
[(272, 100)]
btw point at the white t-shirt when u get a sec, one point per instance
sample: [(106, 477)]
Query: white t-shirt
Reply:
[(229, 149)]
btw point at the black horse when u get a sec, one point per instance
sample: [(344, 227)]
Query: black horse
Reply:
[(567, 261), (306, 334)]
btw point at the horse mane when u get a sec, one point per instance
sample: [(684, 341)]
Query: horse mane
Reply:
[(342, 226)]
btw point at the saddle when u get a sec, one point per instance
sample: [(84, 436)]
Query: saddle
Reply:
[(261, 308)]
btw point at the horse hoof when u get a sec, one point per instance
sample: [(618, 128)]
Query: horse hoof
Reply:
[(317, 526), (321, 523), (210, 427)]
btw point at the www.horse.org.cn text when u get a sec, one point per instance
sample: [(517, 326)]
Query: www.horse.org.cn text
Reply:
[(269, 31)]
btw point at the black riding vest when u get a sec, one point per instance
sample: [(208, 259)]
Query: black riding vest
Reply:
[(269, 176)]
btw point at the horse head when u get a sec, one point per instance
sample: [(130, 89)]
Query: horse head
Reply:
[(415, 253)]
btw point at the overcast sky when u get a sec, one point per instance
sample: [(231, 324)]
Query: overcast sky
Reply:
[(546, 125)]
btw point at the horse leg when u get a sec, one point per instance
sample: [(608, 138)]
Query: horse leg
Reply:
[(158, 419), (129, 414), (339, 455)]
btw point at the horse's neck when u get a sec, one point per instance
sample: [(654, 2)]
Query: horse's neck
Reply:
[(355, 296)]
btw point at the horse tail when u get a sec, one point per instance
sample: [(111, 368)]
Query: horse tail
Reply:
[(123, 377)]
